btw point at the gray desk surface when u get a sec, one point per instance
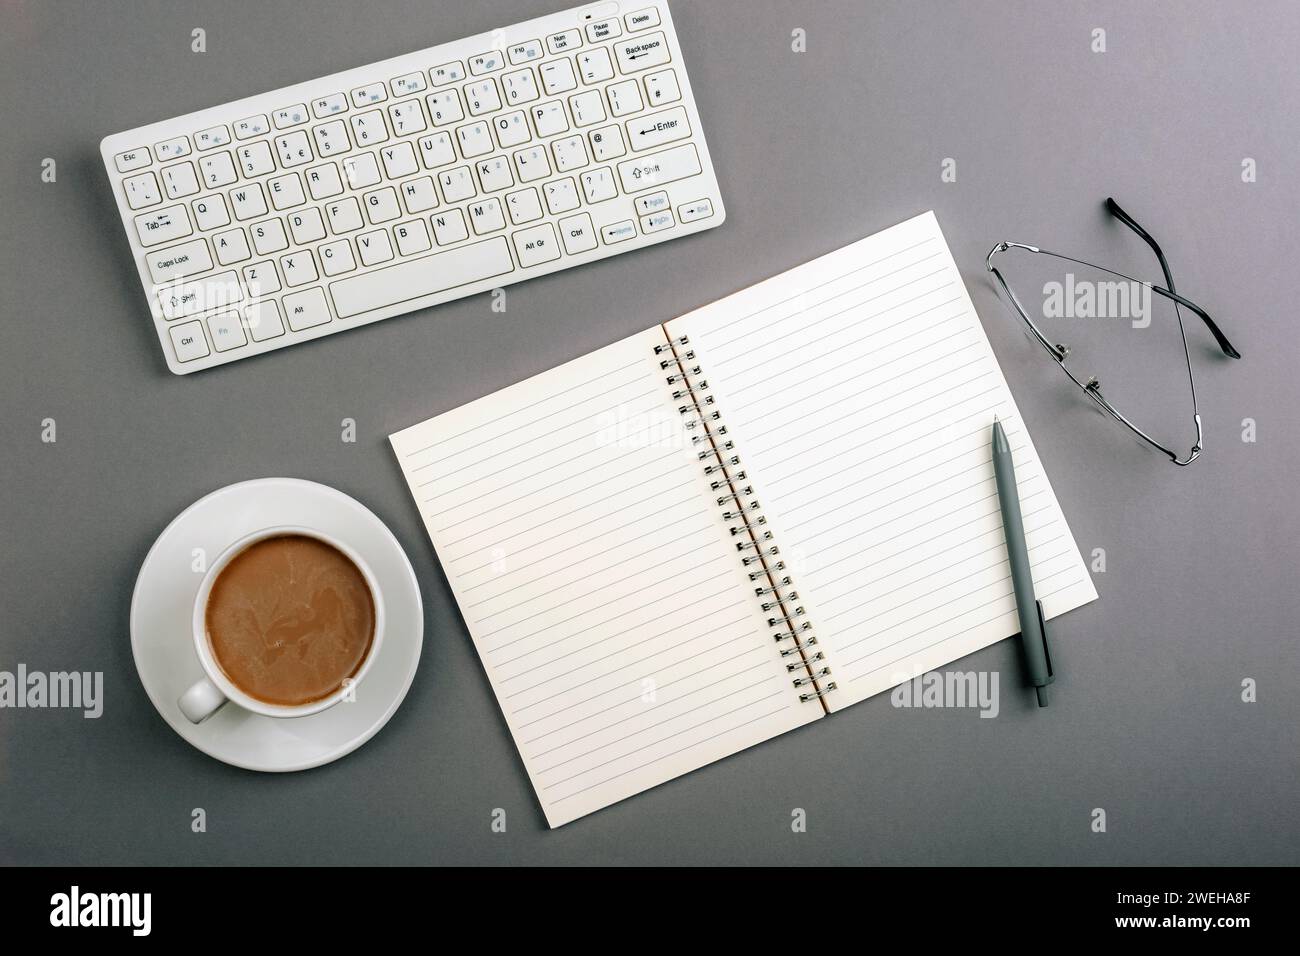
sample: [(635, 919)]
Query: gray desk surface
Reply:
[(813, 150)]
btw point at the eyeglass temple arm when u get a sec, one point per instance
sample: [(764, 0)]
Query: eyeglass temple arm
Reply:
[(1115, 210)]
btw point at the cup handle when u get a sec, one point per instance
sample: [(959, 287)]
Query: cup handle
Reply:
[(201, 701)]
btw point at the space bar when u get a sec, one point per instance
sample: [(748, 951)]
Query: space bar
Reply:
[(420, 277)]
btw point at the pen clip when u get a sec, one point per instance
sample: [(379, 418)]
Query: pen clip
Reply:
[(1047, 651)]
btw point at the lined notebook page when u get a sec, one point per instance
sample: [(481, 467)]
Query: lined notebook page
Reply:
[(860, 390), (598, 579)]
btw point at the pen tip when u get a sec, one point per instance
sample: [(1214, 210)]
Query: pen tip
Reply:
[(996, 420)]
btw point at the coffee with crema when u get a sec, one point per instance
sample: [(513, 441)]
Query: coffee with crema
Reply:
[(289, 619)]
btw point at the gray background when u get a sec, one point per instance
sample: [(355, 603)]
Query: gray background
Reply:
[(813, 150)]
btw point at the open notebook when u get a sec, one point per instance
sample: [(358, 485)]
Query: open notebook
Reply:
[(736, 522)]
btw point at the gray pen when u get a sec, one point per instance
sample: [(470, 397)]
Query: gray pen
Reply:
[(1033, 626)]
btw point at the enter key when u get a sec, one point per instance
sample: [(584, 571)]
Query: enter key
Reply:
[(647, 132)]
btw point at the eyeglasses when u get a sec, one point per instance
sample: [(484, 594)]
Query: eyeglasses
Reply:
[(1060, 352)]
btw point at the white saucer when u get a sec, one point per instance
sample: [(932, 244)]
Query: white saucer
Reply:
[(163, 604)]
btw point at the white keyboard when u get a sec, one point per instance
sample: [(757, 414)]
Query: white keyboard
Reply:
[(444, 173)]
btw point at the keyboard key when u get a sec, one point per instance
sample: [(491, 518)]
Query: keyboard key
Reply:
[(261, 279), (654, 202), (299, 268), (368, 94), (487, 216), (210, 212), (659, 169), (436, 150), (180, 180), (449, 227), (408, 84), (486, 62), (494, 174), (588, 108), (336, 258), (524, 206), (642, 19), (419, 195), (344, 215), (361, 171), (255, 159), (263, 320), (368, 129), (603, 30), (231, 247), (558, 77), (525, 52), (412, 237), (641, 53), (578, 234), (457, 184), (248, 202), (618, 232), (172, 148), (598, 185), (647, 132), (399, 160), (657, 221), (536, 245), (512, 129), (381, 205), (475, 139), (286, 191), (142, 191), (625, 98), (176, 262), (482, 97), (570, 153), (269, 237), (329, 105), (444, 107), (661, 88), (374, 247), (519, 87), (162, 225), (331, 138), (250, 127), (607, 143), (294, 149), (227, 331), (212, 138), (420, 277), (306, 226), (532, 164), (407, 118), (563, 42), (189, 342), (218, 170), (324, 181), (290, 116), (452, 72), (691, 211), (132, 160), (181, 299), (561, 196), (594, 65), (306, 310), (549, 119)]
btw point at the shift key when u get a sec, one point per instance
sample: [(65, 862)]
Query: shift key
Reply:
[(657, 169)]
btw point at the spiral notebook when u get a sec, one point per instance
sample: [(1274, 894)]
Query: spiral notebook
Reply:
[(737, 522)]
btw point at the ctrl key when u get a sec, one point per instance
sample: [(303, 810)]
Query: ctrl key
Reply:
[(188, 341)]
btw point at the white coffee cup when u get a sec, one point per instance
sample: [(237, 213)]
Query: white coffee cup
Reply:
[(214, 690)]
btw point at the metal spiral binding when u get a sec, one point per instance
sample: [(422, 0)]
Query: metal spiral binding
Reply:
[(774, 588)]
